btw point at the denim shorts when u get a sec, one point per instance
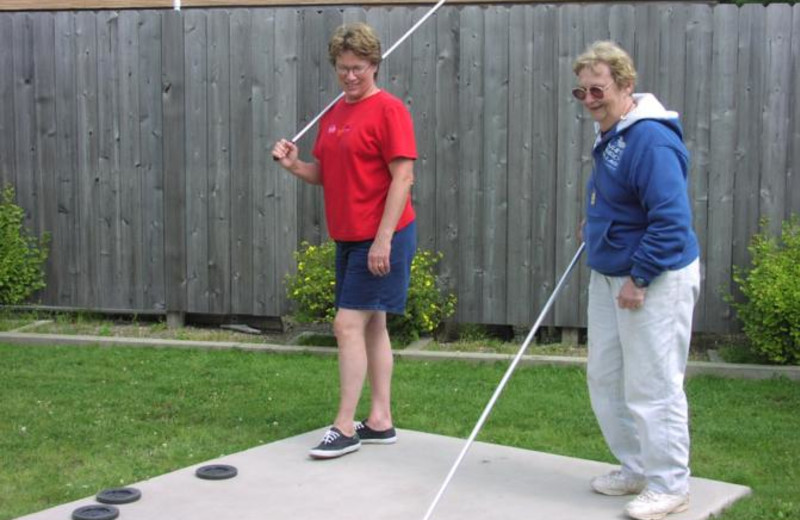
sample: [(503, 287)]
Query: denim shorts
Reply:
[(358, 289)]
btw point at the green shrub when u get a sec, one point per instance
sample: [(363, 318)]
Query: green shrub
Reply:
[(771, 313), (22, 255), (312, 291), (312, 287), (428, 303)]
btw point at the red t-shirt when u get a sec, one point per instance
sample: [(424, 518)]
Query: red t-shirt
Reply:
[(354, 146)]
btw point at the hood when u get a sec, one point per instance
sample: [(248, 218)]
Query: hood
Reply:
[(647, 107)]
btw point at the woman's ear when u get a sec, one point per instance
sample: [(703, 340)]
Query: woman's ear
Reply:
[(628, 88)]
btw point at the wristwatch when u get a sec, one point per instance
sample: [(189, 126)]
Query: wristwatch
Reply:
[(639, 282)]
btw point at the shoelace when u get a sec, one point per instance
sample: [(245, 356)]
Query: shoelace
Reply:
[(620, 477), (330, 436), (617, 476), (648, 496)]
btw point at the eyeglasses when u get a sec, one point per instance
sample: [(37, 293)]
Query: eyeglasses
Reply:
[(596, 92), (357, 70)]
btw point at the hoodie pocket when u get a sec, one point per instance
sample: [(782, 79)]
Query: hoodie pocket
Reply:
[(610, 242)]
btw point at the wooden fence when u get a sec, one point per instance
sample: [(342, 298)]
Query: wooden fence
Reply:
[(140, 141), (50, 5)]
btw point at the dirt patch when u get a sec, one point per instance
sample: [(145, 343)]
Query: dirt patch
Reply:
[(157, 328), (468, 338)]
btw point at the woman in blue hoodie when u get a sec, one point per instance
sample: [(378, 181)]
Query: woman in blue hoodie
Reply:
[(644, 284)]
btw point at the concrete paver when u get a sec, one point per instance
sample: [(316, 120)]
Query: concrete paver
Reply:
[(279, 481)]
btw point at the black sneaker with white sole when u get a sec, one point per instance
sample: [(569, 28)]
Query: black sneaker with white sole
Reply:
[(370, 436), (335, 444)]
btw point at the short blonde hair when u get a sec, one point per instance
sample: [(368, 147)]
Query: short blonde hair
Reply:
[(358, 38), (619, 62)]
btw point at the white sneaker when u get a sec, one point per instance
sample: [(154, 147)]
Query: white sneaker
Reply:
[(655, 506), (618, 483)]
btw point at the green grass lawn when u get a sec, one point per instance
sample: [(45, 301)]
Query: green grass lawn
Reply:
[(74, 421)]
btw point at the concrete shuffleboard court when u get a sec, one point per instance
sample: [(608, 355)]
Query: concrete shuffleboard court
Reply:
[(395, 482)]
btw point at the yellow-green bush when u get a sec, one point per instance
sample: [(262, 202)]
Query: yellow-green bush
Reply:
[(771, 313), (312, 287), (312, 291), (22, 255)]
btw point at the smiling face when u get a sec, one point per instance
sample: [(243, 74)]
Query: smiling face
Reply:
[(607, 109), (356, 76)]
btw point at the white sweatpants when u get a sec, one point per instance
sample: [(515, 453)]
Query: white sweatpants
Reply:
[(636, 366)]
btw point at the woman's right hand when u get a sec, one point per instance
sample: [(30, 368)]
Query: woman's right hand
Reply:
[(285, 152)]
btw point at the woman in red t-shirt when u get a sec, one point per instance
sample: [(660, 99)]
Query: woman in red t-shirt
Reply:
[(364, 160)]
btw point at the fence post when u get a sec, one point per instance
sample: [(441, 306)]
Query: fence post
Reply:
[(173, 96)]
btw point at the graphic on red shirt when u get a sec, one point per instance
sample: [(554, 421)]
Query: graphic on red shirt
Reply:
[(354, 150)]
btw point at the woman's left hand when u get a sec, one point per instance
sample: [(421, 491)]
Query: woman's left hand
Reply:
[(378, 258), (630, 296)]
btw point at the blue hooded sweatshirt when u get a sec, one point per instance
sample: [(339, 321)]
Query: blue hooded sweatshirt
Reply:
[(638, 217)]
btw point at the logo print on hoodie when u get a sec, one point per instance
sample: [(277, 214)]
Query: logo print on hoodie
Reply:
[(612, 155)]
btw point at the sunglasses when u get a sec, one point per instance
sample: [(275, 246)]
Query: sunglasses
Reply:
[(580, 93)]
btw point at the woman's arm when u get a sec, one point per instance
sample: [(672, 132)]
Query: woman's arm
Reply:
[(402, 171)]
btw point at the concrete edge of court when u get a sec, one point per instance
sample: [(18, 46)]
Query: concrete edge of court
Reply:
[(735, 370)]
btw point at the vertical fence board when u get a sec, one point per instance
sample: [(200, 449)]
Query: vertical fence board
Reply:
[(219, 163), (7, 152), (471, 193), (645, 50), (448, 184), (793, 185), (313, 59), (263, 278), (381, 22), (399, 65), (622, 25), (775, 135), (596, 26), (596, 23), (673, 30), (45, 162), (108, 170), (317, 89), (356, 14), (494, 177), (129, 248), (66, 232), (749, 100), (46, 134), (721, 167), (87, 159), (24, 119), (547, 92), (519, 287), (174, 107), (197, 168), (571, 148), (283, 115), (241, 162), (151, 130), (409, 70), (695, 96), (423, 111)]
